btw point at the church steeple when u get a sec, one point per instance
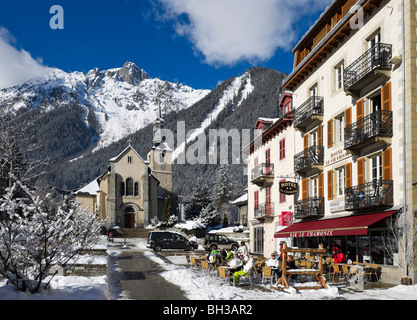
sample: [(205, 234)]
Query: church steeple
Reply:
[(158, 125)]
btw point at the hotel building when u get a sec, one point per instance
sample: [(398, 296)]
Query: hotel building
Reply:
[(355, 129)]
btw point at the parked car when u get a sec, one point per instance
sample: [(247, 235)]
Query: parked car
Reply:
[(219, 241), (158, 240)]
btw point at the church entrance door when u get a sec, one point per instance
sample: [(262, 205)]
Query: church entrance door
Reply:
[(129, 218)]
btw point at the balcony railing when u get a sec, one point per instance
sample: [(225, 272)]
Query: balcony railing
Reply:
[(363, 132), (309, 112), (375, 58), (264, 210), (263, 174), (377, 193), (306, 159), (310, 207)]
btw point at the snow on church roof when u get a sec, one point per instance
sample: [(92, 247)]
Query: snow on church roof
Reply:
[(91, 188)]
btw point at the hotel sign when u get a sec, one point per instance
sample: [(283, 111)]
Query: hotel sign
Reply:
[(336, 156), (288, 187)]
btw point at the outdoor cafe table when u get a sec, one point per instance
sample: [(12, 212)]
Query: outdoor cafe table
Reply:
[(361, 272)]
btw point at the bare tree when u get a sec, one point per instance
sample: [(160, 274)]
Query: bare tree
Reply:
[(401, 245), (15, 152)]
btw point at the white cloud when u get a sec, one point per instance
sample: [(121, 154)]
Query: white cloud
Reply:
[(229, 31), (16, 66)]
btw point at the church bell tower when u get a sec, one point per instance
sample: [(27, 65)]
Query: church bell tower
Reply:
[(160, 155)]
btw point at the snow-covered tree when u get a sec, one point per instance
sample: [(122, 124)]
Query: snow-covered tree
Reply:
[(32, 240), (223, 190), (223, 194), (200, 198), (209, 216)]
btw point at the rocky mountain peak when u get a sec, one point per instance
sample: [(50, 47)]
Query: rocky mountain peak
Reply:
[(131, 74)]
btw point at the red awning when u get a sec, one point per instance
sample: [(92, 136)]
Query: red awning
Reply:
[(353, 225)]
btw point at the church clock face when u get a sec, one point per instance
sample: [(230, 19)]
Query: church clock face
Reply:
[(162, 166)]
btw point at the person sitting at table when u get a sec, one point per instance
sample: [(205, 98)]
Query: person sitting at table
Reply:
[(223, 253), (236, 263), (273, 263), (291, 264), (247, 269), (214, 254)]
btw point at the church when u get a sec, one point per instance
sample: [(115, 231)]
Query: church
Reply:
[(133, 190)]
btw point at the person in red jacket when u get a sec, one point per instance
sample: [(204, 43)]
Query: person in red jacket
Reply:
[(338, 255)]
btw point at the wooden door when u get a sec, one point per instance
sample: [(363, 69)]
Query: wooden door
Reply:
[(129, 220)]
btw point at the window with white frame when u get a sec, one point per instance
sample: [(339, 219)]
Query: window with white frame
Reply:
[(376, 167), (340, 182), (340, 128), (314, 138), (314, 90), (314, 187), (338, 75)]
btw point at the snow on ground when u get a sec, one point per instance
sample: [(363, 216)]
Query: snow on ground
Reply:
[(204, 287), (198, 286)]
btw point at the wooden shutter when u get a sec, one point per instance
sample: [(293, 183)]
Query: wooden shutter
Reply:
[(330, 184), (320, 135), (386, 97), (348, 175), (305, 139), (348, 117), (330, 133), (268, 161), (361, 171), (282, 149), (304, 189), (359, 110), (256, 199), (387, 164), (321, 185)]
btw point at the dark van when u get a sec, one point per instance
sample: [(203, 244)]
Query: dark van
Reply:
[(158, 240)]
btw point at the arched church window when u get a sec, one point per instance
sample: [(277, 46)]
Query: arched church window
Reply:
[(129, 187), (136, 189)]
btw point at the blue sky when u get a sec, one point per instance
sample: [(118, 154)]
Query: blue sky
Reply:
[(195, 42)]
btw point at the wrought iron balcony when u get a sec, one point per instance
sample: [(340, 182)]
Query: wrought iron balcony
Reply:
[(367, 67), (264, 210), (373, 128), (309, 113), (309, 159), (310, 207), (263, 174), (374, 194)]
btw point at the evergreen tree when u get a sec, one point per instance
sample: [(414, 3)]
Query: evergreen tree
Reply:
[(167, 209), (199, 199), (223, 191)]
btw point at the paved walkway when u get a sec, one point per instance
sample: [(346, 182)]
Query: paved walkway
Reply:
[(131, 275)]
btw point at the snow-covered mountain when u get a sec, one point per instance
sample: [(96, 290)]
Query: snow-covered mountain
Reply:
[(122, 100), (72, 114)]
